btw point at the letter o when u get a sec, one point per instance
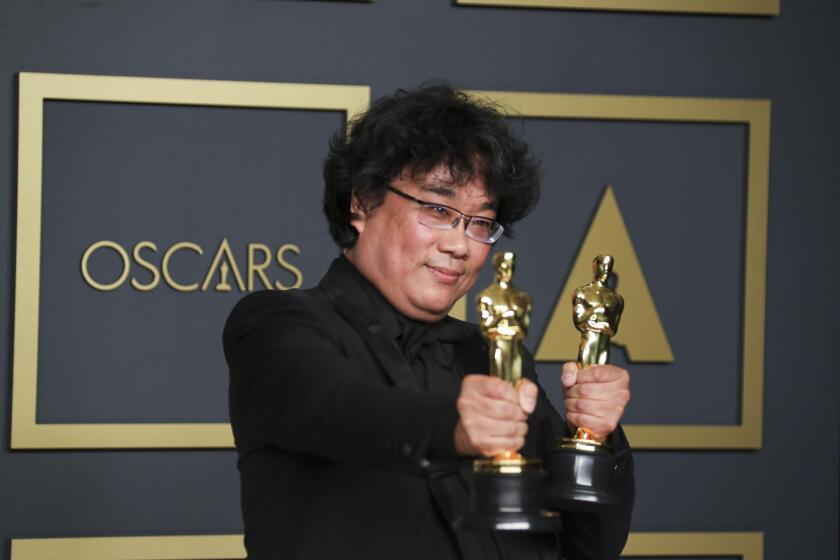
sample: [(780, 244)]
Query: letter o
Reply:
[(86, 273)]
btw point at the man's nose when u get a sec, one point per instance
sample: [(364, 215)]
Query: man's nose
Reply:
[(455, 241)]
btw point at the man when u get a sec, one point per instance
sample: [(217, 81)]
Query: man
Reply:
[(358, 405)]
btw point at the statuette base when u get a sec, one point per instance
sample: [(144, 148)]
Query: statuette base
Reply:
[(543, 521), (506, 494), (580, 476)]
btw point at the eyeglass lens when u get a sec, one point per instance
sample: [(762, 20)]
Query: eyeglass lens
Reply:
[(441, 217)]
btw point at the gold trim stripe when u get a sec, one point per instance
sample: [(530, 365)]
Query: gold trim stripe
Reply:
[(629, 107), (731, 7), (181, 547), (748, 546), (177, 91)]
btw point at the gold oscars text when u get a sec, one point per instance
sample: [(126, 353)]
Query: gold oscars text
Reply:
[(223, 273)]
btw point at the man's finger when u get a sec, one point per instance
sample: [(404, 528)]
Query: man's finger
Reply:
[(482, 427), (498, 389), (601, 374), (491, 387), (607, 409), (497, 409), (487, 434), (583, 406), (598, 426), (595, 391), (494, 446)]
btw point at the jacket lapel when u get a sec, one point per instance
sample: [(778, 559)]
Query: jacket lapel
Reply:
[(342, 286), (386, 351)]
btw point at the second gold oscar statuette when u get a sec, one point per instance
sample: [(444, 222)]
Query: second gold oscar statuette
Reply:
[(581, 467)]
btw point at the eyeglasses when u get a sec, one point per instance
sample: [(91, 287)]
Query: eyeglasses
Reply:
[(440, 216)]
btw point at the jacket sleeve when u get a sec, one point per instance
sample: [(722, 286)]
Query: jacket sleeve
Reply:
[(591, 536), (292, 388)]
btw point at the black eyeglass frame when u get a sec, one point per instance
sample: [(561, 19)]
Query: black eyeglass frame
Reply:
[(465, 217)]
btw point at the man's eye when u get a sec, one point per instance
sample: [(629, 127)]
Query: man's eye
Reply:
[(439, 211), (484, 225)]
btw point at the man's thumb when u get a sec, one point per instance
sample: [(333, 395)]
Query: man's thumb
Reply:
[(569, 376), (527, 396)]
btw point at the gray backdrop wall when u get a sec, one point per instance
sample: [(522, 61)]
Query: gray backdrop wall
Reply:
[(168, 173)]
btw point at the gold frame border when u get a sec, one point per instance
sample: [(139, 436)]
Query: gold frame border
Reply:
[(730, 7), (755, 114), (748, 546), (35, 88)]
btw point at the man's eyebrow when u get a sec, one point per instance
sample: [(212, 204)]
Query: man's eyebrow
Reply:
[(449, 193), (442, 191)]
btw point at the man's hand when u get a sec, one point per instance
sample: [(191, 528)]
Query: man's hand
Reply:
[(493, 415), (595, 397)]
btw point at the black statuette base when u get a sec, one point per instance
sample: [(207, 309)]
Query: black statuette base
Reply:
[(535, 522), (580, 480), (502, 501)]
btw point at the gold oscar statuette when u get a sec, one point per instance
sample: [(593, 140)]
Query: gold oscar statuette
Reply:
[(596, 310), (504, 313), (506, 491), (580, 467)]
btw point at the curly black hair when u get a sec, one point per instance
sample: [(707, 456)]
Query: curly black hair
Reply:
[(415, 131)]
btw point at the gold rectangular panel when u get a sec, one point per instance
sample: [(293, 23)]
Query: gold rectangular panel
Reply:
[(731, 7), (35, 88), (755, 114), (748, 546)]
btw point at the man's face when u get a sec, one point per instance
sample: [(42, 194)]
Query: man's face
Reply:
[(421, 270)]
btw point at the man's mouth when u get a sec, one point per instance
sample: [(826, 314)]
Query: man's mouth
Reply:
[(445, 275)]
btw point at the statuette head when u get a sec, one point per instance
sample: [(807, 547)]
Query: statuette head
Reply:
[(504, 264), (602, 267)]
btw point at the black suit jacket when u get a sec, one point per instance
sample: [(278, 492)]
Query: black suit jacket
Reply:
[(342, 454)]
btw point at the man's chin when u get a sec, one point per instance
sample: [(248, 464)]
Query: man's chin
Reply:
[(438, 310), (426, 310), (431, 304)]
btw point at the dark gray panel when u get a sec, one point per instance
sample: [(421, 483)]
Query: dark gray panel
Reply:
[(165, 174), (681, 189)]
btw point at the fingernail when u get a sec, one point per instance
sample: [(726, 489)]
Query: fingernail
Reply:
[(567, 377), (529, 404)]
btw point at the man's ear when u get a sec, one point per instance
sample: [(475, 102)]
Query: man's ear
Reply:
[(358, 214)]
